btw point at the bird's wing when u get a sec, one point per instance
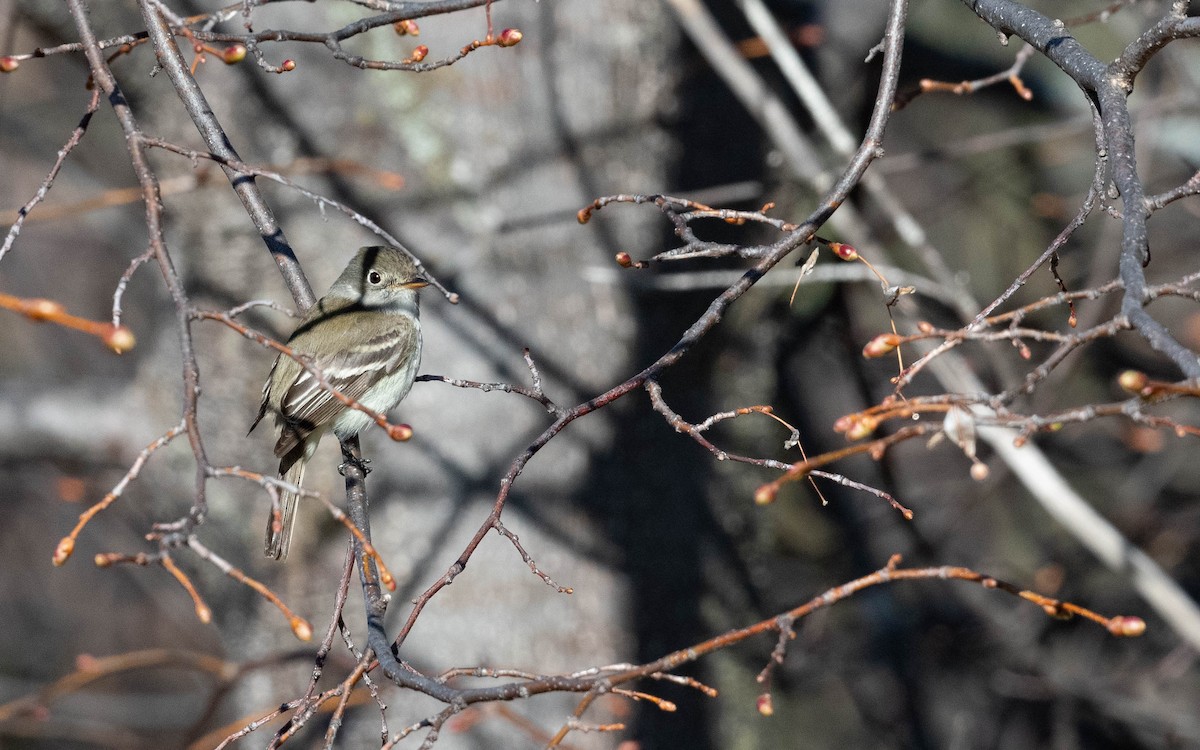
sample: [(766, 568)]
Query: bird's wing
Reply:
[(307, 405)]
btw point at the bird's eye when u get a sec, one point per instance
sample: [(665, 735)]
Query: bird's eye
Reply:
[(374, 277)]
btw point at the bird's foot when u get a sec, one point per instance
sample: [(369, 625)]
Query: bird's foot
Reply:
[(358, 463)]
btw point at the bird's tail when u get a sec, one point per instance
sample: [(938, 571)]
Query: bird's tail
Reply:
[(279, 538)]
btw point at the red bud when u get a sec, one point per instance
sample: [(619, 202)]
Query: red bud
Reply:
[(510, 38), (843, 251), (233, 54)]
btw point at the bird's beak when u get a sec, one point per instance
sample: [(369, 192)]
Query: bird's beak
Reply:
[(416, 283)]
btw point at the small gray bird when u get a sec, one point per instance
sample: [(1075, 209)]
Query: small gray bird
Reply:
[(364, 336)]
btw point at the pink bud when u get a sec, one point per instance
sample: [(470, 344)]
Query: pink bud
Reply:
[(510, 38)]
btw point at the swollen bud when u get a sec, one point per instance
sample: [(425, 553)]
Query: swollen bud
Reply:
[(63, 551), (400, 432), (843, 251), (510, 38), (1133, 380), (764, 705), (765, 495), (203, 613), (1127, 626), (233, 54), (301, 628), (862, 427), (407, 27), (41, 309), (420, 53), (624, 260), (287, 65), (9, 64), (881, 345), (120, 339)]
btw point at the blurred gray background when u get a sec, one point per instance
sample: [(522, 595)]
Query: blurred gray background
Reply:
[(662, 544)]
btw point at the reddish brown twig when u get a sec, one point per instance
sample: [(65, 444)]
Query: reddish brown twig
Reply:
[(398, 432), (67, 545), (116, 337)]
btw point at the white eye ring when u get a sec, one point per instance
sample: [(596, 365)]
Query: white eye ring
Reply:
[(373, 277)]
